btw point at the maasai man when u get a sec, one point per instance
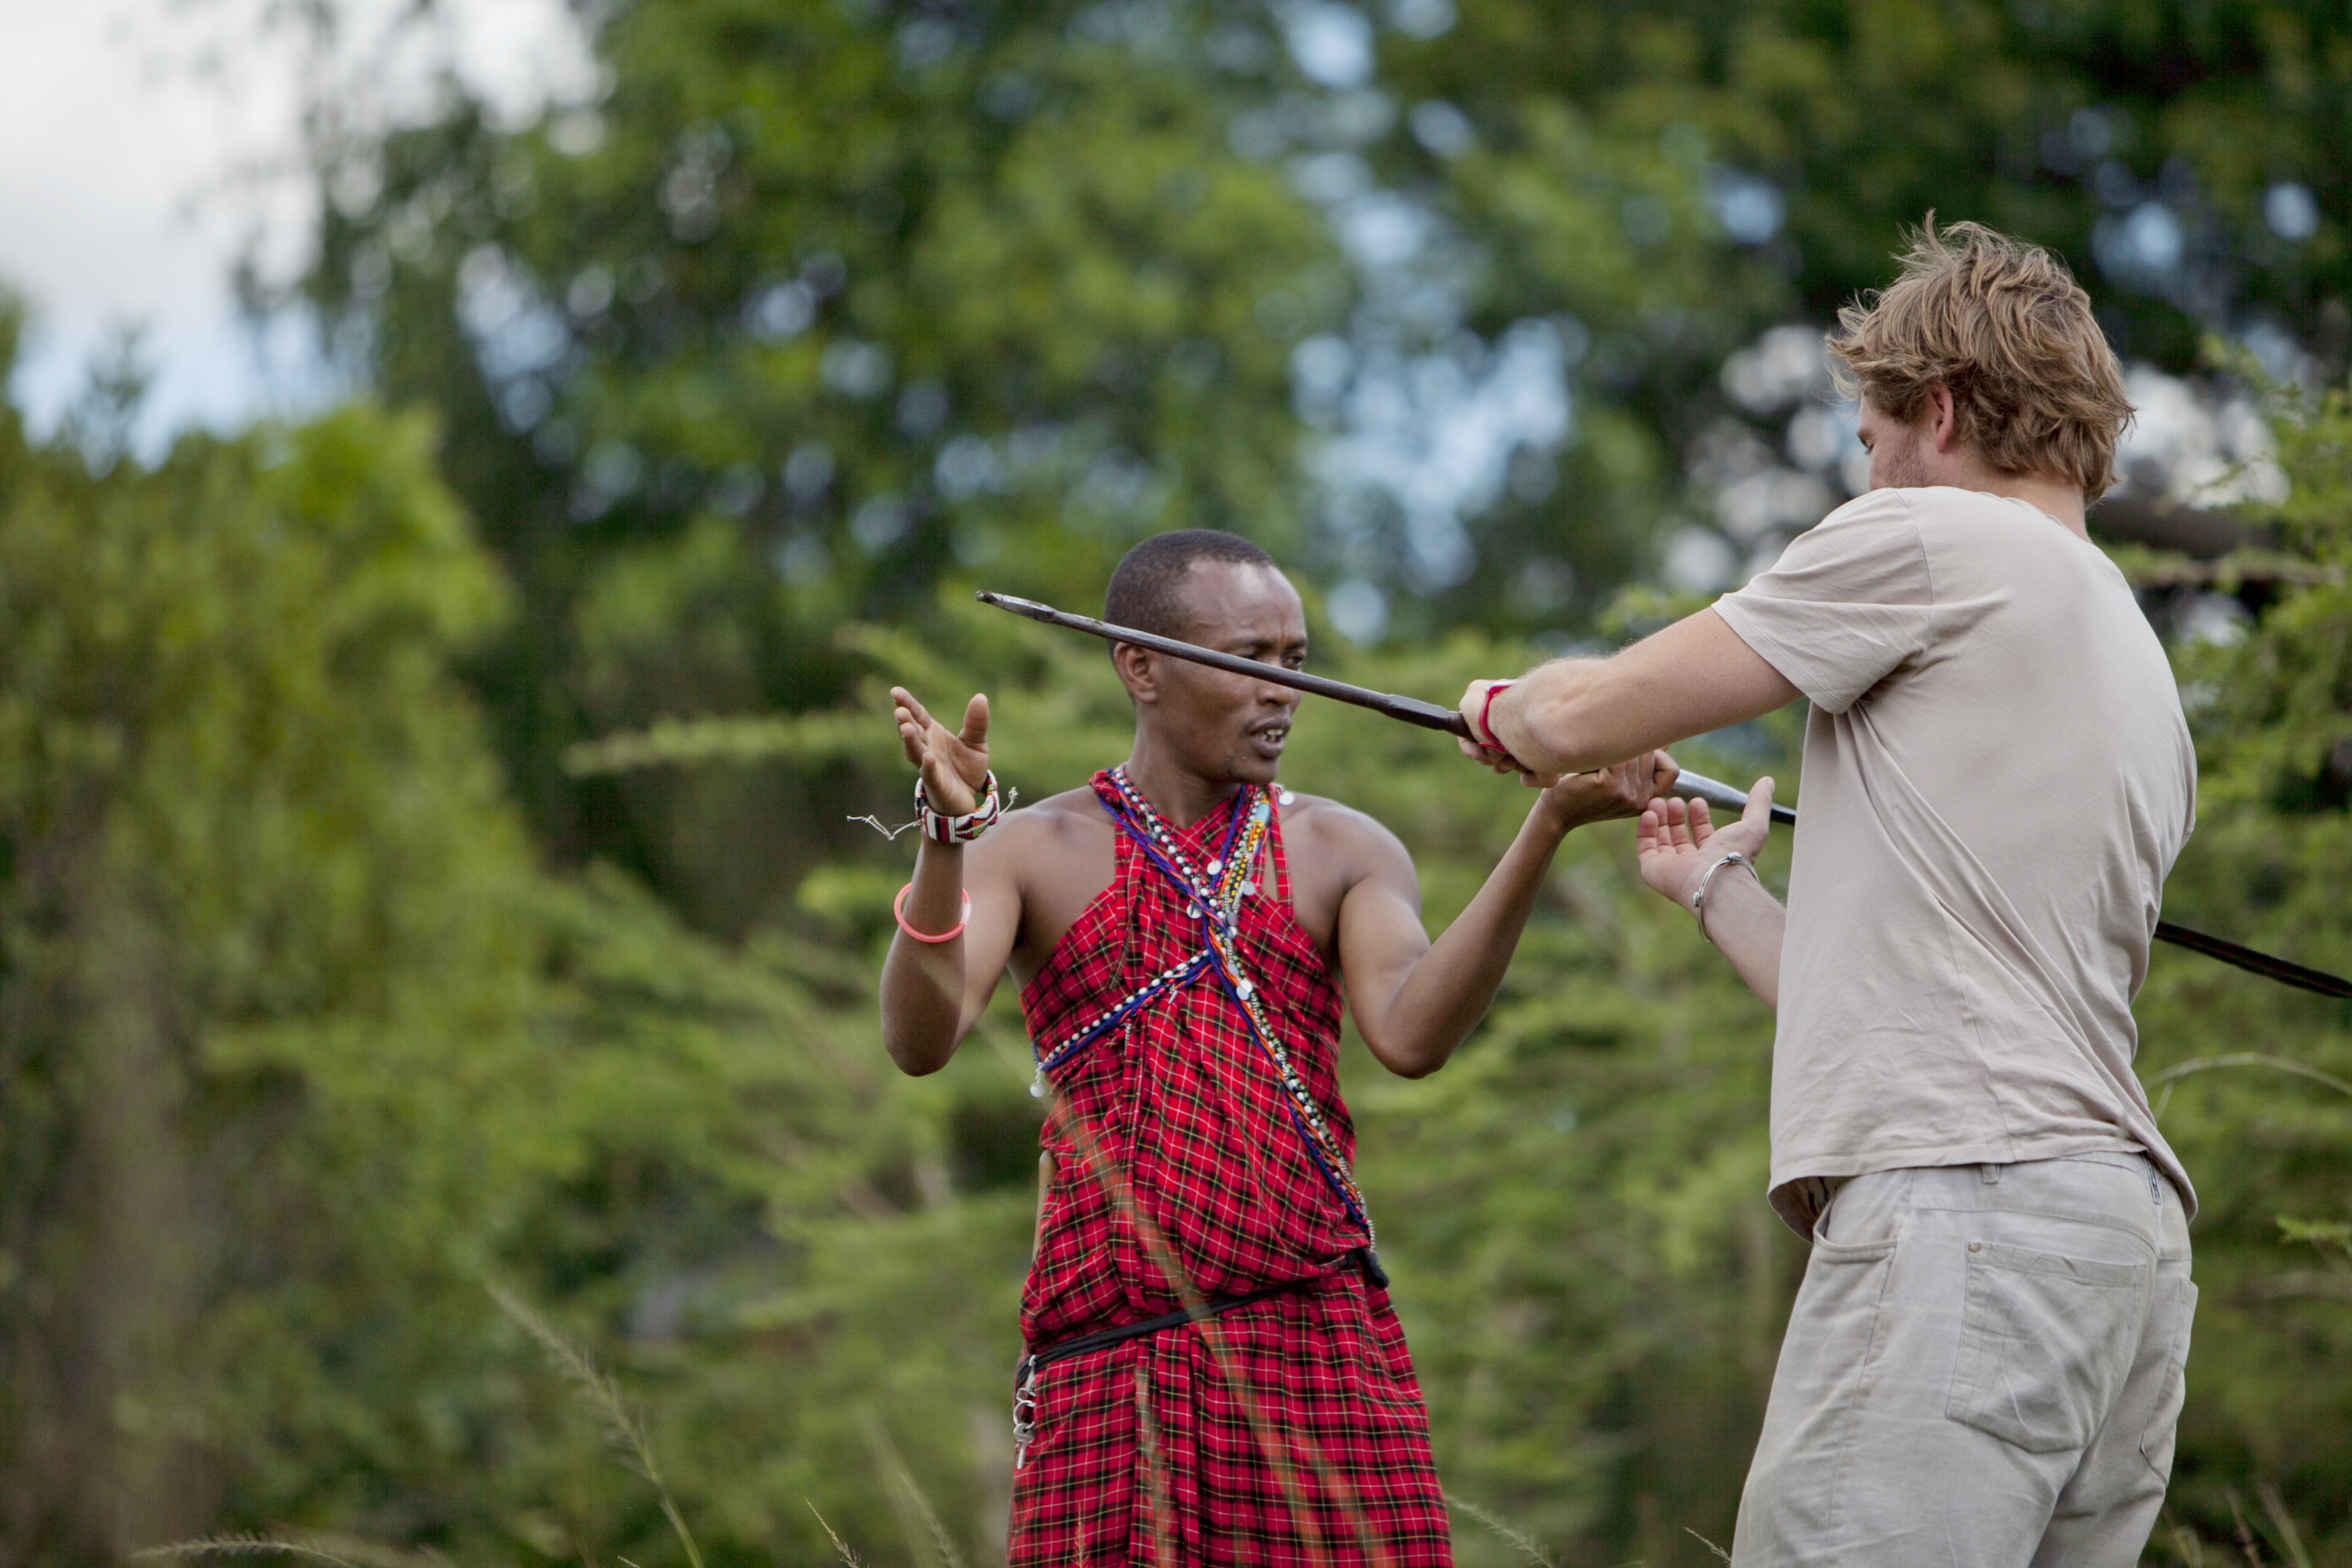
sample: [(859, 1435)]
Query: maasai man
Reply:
[(1983, 1366), (1214, 1374)]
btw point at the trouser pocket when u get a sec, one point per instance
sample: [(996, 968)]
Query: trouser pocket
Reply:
[(2177, 1303), (2046, 1343)]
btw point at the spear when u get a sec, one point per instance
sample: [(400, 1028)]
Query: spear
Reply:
[(1411, 710), (1690, 785)]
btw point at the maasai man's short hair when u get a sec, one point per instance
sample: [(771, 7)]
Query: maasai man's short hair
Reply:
[(1147, 589), (2005, 327)]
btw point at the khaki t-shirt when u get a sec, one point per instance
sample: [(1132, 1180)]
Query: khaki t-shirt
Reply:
[(1997, 780)]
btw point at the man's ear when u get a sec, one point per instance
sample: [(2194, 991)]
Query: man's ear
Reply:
[(1138, 671), (1943, 417)]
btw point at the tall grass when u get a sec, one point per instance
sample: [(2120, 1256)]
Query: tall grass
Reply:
[(596, 1389), (928, 1540), (602, 1396), (342, 1552)]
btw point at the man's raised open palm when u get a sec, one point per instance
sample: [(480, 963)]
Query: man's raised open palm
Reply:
[(953, 765)]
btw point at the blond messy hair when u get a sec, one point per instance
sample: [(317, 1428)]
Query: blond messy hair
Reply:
[(2005, 327)]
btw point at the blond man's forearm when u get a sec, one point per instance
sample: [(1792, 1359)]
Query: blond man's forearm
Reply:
[(1747, 923), (1575, 714)]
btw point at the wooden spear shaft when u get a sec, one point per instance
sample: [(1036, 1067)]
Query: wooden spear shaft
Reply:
[(1690, 785), (1411, 710)]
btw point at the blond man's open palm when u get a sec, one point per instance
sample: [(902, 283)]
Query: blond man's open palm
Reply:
[(1677, 840)]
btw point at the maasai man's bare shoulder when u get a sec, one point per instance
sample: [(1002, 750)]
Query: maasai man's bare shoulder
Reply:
[(1043, 830), (1073, 810), (1058, 852), (1336, 829)]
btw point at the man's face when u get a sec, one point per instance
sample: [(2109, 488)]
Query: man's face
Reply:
[(1899, 453), (1228, 728)]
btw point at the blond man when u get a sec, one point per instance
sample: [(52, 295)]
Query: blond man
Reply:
[(1983, 1365)]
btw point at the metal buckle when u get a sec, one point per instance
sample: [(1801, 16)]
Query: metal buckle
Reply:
[(1024, 1412)]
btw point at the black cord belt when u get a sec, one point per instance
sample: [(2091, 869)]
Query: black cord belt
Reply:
[(1024, 1375), (1036, 1361), (1215, 1307)]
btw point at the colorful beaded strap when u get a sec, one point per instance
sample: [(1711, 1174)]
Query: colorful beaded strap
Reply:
[(1218, 905), (1175, 977), (1239, 856)]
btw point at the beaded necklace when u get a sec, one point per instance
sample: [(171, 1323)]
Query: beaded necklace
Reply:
[(1242, 838), (1217, 906)]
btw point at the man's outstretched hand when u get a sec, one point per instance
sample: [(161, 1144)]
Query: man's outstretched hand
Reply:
[(1625, 790), (953, 765), (1474, 709), (1677, 840)]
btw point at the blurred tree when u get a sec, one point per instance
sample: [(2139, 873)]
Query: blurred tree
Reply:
[(2271, 703), (820, 301), (1677, 174), (300, 1048), (823, 302), (224, 723)]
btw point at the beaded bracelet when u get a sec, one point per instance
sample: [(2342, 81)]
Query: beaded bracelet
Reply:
[(946, 829), (899, 913)]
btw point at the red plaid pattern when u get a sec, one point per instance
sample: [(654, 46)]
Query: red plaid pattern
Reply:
[(1289, 1431)]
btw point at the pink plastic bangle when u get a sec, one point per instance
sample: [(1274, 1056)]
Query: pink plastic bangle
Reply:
[(899, 912), (1486, 706)]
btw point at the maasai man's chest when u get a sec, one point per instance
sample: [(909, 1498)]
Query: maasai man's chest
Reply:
[(1066, 880)]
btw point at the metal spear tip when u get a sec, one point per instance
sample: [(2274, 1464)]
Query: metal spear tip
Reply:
[(1019, 606)]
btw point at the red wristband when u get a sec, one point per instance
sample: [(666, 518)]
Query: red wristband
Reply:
[(899, 913), (1486, 706)]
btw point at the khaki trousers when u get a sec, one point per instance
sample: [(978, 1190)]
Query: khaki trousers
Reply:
[(1983, 1370)]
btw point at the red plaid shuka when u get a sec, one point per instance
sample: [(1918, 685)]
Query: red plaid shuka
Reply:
[(1292, 1429)]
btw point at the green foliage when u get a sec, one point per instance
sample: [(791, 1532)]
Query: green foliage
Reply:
[(820, 304), (2268, 865), (2053, 121), (302, 1046), (824, 303), (234, 793)]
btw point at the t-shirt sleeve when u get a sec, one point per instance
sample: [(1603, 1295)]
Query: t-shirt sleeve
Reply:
[(1848, 602)]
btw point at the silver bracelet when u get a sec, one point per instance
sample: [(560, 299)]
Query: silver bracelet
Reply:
[(1698, 900)]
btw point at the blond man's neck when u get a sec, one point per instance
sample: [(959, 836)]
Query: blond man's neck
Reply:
[(2061, 498)]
